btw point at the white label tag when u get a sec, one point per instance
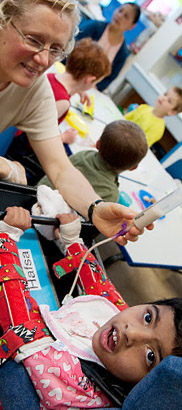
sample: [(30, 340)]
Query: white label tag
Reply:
[(29, 269)]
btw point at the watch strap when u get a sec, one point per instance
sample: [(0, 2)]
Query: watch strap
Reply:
[(91, 209)]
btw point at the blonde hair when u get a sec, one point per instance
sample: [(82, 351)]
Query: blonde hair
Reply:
[(16, 9)]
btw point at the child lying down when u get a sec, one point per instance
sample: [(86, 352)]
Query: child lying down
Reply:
[(129, 342)]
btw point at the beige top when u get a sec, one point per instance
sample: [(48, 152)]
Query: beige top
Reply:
[(110, 50), (32, 110)]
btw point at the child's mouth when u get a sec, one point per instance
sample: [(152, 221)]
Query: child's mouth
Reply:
[(112, 339)]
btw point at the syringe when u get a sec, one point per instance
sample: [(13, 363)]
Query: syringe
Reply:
[(142, 219)]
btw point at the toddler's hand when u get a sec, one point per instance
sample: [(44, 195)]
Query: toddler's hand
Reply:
[(84, 98), (69, 136), (18, 217), (64, 219), (69, 230)]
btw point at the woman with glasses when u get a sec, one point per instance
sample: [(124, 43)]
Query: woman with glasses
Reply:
[(33, 35)]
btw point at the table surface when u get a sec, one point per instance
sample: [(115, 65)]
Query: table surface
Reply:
[(162, 246), (105, 111)]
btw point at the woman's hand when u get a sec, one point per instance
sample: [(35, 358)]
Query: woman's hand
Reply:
[(18, 217), (108, 218)]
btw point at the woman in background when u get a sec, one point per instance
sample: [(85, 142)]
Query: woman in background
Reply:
[(110, 37)]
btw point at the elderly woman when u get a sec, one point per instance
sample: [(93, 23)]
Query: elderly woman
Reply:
[(33, 35), (110, 36)]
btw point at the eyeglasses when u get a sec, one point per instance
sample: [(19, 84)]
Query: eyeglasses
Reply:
[(37, 46)]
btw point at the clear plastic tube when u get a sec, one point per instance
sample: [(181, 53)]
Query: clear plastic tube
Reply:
[(160, 208)]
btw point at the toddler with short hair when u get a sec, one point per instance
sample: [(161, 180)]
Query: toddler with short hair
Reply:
[(121, 147), (151, 119)]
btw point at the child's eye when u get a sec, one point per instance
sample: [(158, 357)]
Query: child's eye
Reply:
[(150, 357), (148, 317)]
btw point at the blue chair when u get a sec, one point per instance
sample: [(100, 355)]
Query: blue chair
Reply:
[(6, 137), (172, 161), (160, 389)]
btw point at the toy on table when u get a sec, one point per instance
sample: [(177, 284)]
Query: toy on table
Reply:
[(85, 109), (137, 199), (76, 121), (146, 198), (60, 67), (124, 199)]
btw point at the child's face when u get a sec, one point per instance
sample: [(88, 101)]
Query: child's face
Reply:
[(134, 341), (167, 102)]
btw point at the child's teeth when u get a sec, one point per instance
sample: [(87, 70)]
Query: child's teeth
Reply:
[(115, 336)]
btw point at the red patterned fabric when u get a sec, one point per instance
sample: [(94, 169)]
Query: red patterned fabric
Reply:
[(20, 319), (92, 280)]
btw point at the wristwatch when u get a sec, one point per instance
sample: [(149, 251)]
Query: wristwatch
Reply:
[(91, 208)]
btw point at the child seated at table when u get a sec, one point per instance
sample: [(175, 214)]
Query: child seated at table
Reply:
[(151, 119), (121, 147), (52, 345), (86, 65)]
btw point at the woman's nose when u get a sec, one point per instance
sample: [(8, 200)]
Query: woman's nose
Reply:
[(42, 58)]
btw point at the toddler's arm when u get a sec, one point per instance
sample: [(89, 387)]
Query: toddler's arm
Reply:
[(69, 230), (62, 107), (84, 98)]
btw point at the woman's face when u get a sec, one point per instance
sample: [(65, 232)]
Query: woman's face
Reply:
[(18, 63), (123, 17), (135, 340)]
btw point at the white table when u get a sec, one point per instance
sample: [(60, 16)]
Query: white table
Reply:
[(105, 111), (161, 247)]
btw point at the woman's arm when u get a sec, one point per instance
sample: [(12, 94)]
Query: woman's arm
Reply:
[(77, 191), (74, 187)]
